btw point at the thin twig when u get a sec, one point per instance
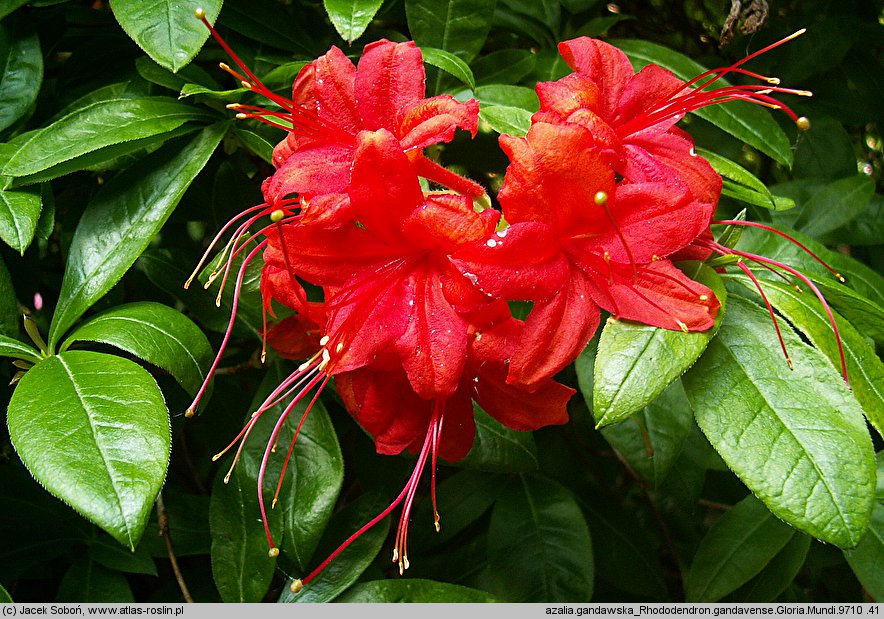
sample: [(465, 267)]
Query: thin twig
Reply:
[(163, 520)]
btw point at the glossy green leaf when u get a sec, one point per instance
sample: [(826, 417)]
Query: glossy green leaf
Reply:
[(93, 429), (744, 121), (505, 119), (546, 12), (511, 96), (19, 210), (539, 548), (652, 439), (831, 206), (737, 547), (156, 333), (188, 515), (413, 590), (866, 559), (777, 575), (353, 560), (122, 219), (240, 564), (449, 63), (17, 350), (9, 313), (825, 152), (5, 598), (269, 23), (456, 26), (351, 17), (738, 192), (255, 143), (498, 449), (636, 362), (505, 66), (98, 125), (796, 438), (21, 63), (741, 184), (88, 581), (168, 31), (864, 369), (111, 555)]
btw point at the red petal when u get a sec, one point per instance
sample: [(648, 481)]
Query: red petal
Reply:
[(647, 90), (556, 332), (445, 221), (604, 64), (543, 184), (384, 188), (295, 337), (458, 426), (389, 77), (314, 170), (661, 296), (431, 121), (433, 346)]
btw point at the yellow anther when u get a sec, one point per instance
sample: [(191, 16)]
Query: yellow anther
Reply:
[(273, 504), (840, 278), (224, 66), (227, 479), (199, 13), (215, 457), (246, 85), (233, 106), (277, 215), (773, 80), (682, 326), (611, 320), (189, 413), (273, 553), (339, 347), (704, 297), (803, 123), (600, 197), (296, 585), (242, 116), (324, 340)]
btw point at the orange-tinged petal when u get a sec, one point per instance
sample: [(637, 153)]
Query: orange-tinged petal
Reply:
[(389, 77)]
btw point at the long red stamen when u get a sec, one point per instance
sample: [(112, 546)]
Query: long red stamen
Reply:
[(434, 172), (770, 311)]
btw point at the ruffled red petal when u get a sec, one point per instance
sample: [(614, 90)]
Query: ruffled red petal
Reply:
[(433, 121), (389, 77)]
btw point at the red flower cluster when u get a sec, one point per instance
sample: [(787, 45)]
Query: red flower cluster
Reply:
[(414, 323)]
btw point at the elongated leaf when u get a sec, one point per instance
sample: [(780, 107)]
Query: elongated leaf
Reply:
[(505, 119), (449, 63), (156, 333), (88, 581), (832, 206), (744, 121), (866, 559), (456, 26), (797, 438), (15, 349), (864, 368), (867, 316), (539, 547), (737, 547), (353, 560), (240, 564), (351, 17), (652, 440), (512, 96), (505, 66), (167, 31), (636, 362), (9, 313), (498, 449), (19, 210), (5, 598), (100, 124), (777, 575), (22, 65), (413, 590), (107, 552), (121, 220), (94, 430), (741, 184)]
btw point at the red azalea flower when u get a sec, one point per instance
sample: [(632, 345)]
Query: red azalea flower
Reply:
[(578, 241)]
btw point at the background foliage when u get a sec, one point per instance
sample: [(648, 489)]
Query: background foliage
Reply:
[(120, 163)]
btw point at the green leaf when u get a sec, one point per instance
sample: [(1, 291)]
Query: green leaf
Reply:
[(449, 63), (5, 598), (653, 438), (744, 121), (456, 26), (505, 66), (255, 143), (156, 333), (21, 63), (806, 313), (93, 429), (15, 349), (19, 210), (8, 6), (741, 184), (98, 125), (9, 312), (636, 362), (353, 560), (737, 547), (777, 575), (88, 581), (112, 556), (413, 590), (829, 206), (168, 31), (351, 17), (122, 219), (511, 96), (797, 438), (240, 564), (826, 151), (539, 548), (866, 559), (498, 449), (505, 119), (867, 316)]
